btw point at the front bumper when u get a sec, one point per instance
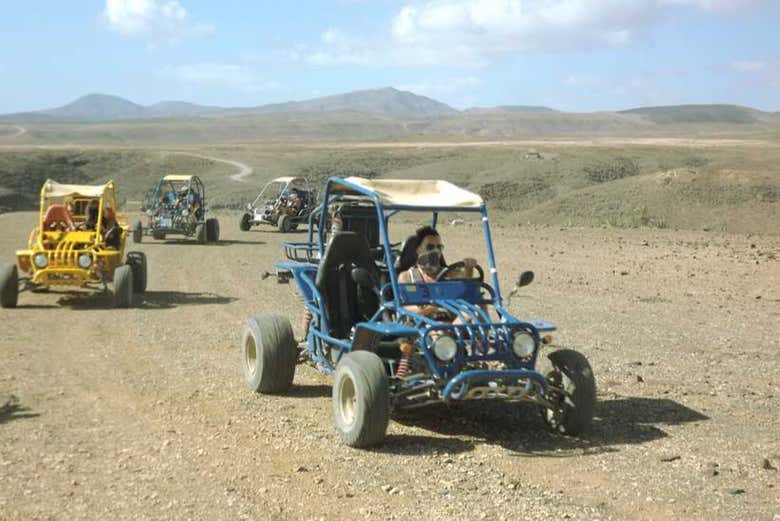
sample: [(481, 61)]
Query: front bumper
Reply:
[(504, 384), (62, 268)]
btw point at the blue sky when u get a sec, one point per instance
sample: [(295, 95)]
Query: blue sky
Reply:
[(578, 55)]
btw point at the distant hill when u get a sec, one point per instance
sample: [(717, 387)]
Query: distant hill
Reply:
[(733, 114), (388, 101), (365, 114), (102, 108), (179, 109), (509, 108)]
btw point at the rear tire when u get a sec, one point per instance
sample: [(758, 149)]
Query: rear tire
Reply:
[(212, 230), (361, 399), (284, 223), (200, 233), (137, 262), (570, 371), (138, 232), (123, 286), (269, 353), (9, 285), (245, 224)]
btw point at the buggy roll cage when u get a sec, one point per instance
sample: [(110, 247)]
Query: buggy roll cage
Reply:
[(462, 298), (385, 212), (99, 192), (196, 186)]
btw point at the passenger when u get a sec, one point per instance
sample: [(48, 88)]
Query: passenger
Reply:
[(429, 248), (111, 230), (295, 202), (93, 209)]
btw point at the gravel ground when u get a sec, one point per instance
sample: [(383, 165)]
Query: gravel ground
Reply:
[(143, 413)]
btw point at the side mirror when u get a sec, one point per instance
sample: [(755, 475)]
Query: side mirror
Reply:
[(525, 279), (363, 278)]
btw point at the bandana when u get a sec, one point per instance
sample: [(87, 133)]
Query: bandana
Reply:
[(430, 262)]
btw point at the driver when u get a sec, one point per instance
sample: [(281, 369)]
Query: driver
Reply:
[(430, 262)]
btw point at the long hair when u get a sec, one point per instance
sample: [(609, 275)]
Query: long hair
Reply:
[(421, 233)]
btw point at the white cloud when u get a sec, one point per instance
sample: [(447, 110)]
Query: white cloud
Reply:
[(717, 6), (442, 86), (155, 21), (749, 66), (237, 77), (471, 33), (583, 82)]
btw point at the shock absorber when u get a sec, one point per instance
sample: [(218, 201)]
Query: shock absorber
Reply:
[(306, 318), (403, 365)]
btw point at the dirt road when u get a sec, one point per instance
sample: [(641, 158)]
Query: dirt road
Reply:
[(143, 413), (19, 131), (244, 170)]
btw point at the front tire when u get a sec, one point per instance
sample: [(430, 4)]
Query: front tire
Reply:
[(123, 286), (284, 223), (361, 399), (212, 230), (9, 285), (246, 222), (200, 233), (137, 262), (138, 232), (570, 373), (269, 354)]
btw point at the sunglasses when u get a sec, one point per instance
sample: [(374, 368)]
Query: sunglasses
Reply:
[(432, 247)]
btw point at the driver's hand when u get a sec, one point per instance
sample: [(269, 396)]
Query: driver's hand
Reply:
[(469, 263)]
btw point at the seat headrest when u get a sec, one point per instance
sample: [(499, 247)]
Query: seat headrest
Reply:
[(408, 256), (345, 247), (57, 213)]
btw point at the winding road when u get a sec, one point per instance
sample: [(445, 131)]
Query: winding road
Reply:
[(244, 170), (19, 131)]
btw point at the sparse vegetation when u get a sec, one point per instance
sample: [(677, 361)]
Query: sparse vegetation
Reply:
[(611, 170), (727, 188)]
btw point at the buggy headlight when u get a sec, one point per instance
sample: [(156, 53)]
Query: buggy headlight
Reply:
[(85, 260), (41, 260), (523, 344), (185, 212), (445, 348), (149, 212)]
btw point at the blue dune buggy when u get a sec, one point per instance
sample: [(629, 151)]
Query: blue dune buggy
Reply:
[(387, 357)]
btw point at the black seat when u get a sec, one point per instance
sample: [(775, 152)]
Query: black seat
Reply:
[(408, 256), (345, 302), (363, 220)]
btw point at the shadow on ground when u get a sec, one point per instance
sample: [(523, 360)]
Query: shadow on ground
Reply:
[(10, 410), (190, 242), (520, 428), (309, 391), (148, 300)]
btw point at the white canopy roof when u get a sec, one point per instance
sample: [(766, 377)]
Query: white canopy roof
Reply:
[(422, 193), (55, 189)]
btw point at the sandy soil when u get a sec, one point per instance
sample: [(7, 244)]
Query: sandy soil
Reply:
[(143, 413)]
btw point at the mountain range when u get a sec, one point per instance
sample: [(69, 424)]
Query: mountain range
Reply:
[(366, 114), (103, 107)]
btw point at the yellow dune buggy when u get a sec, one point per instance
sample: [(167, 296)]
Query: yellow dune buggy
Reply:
[(79, 241)]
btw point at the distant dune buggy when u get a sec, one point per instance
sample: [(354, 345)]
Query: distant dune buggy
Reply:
[(386, 356), (284, 202), (177, 206), (79, 241)]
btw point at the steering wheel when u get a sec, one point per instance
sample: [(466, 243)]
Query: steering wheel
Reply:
[(460, 265)]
